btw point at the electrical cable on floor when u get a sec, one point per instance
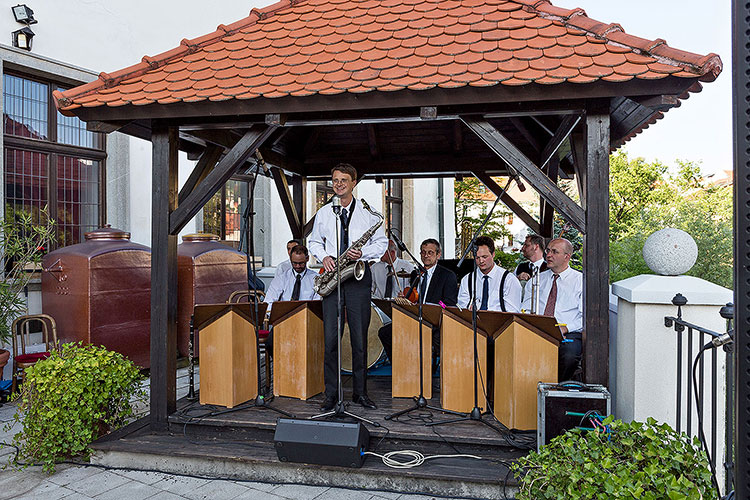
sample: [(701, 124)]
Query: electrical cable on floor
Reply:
[(416, 458)]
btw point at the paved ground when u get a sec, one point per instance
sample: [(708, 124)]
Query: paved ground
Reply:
[(75, 482)]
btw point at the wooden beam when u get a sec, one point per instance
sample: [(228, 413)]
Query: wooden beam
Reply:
[(514, 207), (577, 141), (596, 250), (526, 133), (299, 194), (547, 211), (207, 161), (428, 112), (561, 134), (458, 137), (287, 202), (372, 140), (163, 276), (526, 168), (203, 192)]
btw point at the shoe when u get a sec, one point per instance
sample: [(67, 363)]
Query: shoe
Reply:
[(364, 401), (328, 404)]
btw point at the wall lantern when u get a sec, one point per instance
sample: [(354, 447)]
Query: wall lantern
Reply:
[(22, 38), (23, 14)]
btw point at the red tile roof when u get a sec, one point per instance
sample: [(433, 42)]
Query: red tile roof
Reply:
[(305, 47)]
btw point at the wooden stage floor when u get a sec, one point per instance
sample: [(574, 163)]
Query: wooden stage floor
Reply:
[(244, 435)]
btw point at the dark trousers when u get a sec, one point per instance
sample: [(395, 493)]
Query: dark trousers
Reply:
[(355, 307), (386, 338), (569, 358)]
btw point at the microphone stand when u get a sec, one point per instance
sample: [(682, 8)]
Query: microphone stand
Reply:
[(420, 402), (260, 400), (476, 412), (339, 409)]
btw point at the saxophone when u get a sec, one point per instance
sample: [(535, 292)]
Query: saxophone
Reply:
[(327, 282)]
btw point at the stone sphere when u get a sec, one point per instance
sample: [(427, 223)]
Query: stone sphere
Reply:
[(670, 252)]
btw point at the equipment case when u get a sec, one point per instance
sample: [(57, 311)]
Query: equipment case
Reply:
[(553, 400)]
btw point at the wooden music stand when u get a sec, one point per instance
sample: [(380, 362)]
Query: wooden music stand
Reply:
[(405, 362), (526, 353), (457, 360), (298, 347), (228, 352)]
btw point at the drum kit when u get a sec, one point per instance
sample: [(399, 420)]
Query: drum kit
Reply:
[(376, 356)]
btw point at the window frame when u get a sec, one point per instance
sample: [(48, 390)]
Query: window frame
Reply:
[(54, 149)]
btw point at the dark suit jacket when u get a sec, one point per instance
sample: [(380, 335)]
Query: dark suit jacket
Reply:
[(443, 286), (525, 267)]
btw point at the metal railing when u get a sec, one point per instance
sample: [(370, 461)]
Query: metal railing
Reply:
[(691, 340)]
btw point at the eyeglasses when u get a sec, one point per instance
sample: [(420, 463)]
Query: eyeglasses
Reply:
[(337, 182)]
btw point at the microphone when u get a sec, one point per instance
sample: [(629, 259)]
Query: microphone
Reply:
[(719, 341), (521, 185), (336, 205), (261, 161), (399, 243)]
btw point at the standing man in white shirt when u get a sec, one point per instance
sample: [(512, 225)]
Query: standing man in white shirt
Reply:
[(533, 251), (385, 283), (497, 289), (561, 296), (355, 294), (286, 265)]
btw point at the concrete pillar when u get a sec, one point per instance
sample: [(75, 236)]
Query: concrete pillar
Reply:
[(646, 353)]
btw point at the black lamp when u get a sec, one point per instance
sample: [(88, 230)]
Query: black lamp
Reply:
[(23, 14), (22, 38)]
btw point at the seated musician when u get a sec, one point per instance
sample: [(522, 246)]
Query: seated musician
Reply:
[(561, 296), (439, 285), (294, 284), (286, 264), (385, 283), (497, 288)]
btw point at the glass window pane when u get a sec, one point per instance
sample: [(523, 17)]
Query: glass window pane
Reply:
[(25, 107), (25, 182), (77, 198), (71, 130)]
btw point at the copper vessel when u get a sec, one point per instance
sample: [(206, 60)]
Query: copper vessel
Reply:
[(207, 273), (99, 292)]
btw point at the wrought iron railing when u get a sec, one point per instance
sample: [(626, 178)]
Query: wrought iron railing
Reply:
[(692, 340)]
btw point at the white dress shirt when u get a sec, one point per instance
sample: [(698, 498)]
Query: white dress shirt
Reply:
[(569, 304), (281, 287), (511, 292), (322, 240), (427, 279), (282, 268), (527, 285), (380, 280)]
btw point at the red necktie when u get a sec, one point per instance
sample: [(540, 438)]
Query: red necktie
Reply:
[(549, 308)]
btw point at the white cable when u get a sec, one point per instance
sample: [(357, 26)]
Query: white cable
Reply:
[(416, 460)]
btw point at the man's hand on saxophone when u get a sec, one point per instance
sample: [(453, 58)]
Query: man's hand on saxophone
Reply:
[(329, 263), (354, 254)]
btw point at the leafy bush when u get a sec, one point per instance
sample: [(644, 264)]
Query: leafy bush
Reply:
[(635, 461), (71, 399)]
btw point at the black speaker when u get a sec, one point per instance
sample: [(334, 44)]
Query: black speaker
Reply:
[(323, 443)]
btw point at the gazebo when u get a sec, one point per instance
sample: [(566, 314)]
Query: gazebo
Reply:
[(399, 88)]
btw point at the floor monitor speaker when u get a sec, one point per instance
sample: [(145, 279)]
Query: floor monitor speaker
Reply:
[(323, 443)]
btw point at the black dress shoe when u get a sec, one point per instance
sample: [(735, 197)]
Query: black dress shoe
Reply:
[(364, 401), (328, 404)]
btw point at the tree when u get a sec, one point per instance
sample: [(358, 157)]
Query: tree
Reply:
[(645, 198), (471, 209)]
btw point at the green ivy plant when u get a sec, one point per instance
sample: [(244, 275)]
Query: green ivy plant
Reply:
[(71, 399), (634, 460)]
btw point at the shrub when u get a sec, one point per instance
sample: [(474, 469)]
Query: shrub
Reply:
[(71, 399), (636, 460)]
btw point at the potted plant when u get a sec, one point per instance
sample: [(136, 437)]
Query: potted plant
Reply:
[(72, 398), (619, 460), (24, 237)]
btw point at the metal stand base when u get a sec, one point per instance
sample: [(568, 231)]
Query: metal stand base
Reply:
[(475, 416), (420, 403), (339, 411), (262, 402)]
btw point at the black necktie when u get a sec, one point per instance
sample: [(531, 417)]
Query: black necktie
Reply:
[(389, 282), (423, 287), (344, 231), (297, 286), (485, 293)]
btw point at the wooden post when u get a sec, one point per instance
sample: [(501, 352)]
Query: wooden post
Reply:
[(163, 275), (596, 250)]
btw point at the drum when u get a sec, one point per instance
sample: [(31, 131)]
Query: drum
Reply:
[(375, 350)]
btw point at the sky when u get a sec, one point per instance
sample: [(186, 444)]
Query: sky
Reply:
[(701, 129)]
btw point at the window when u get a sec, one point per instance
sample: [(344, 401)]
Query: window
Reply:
[(323, 192), (50, 160), (394, 202), (222, 215)]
